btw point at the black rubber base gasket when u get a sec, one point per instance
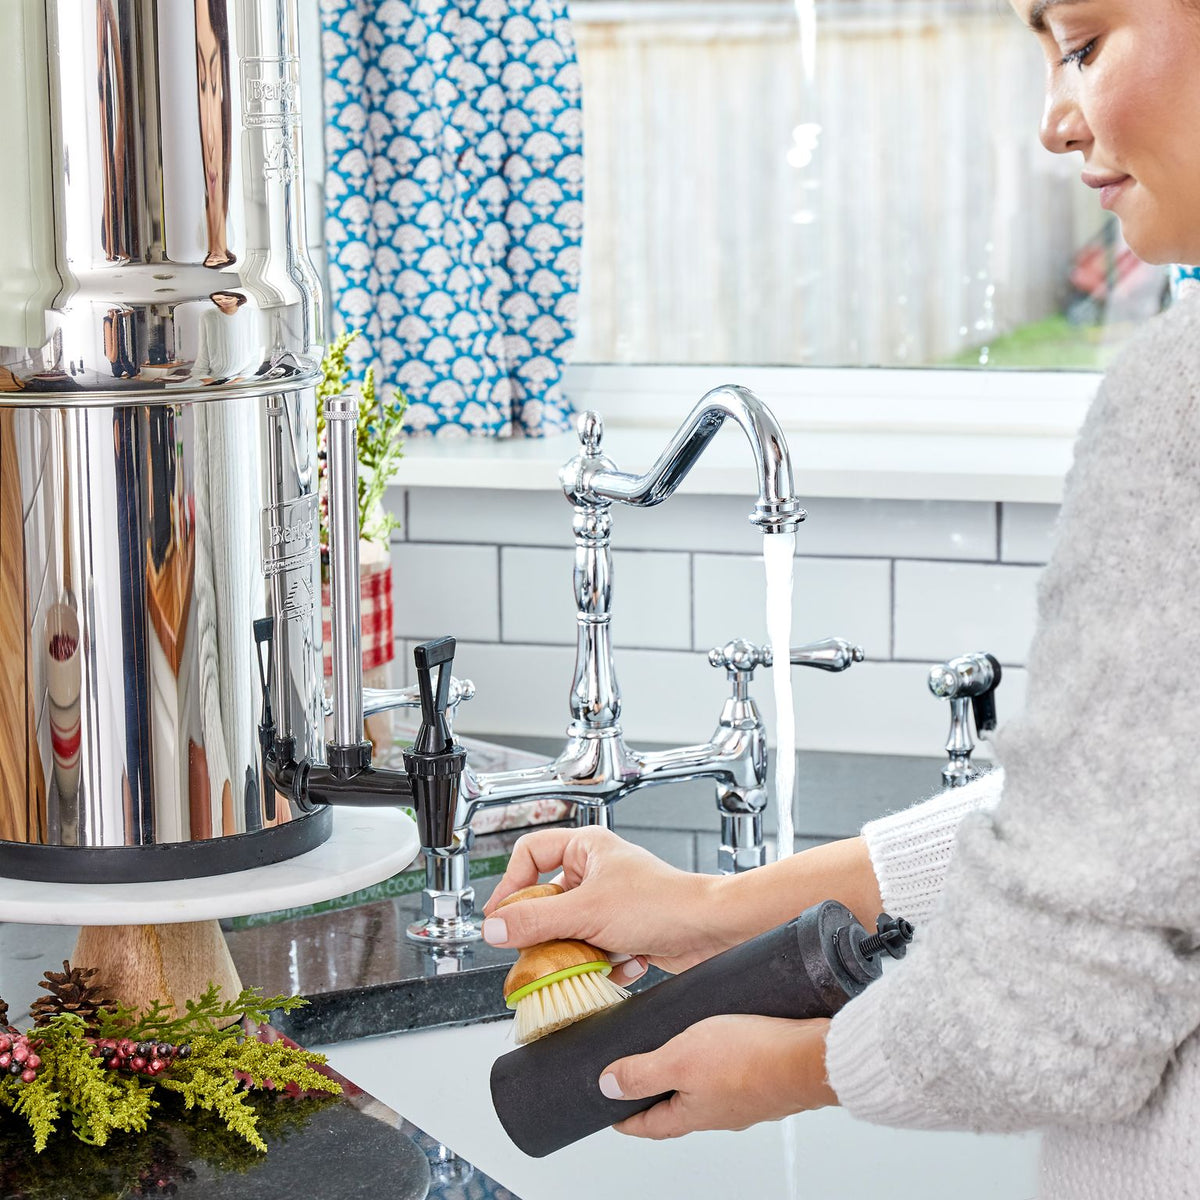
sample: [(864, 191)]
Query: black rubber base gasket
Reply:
[(168, 860)]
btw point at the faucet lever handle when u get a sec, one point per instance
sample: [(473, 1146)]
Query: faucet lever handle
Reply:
[(740, 655), (831, 654), (591, 432)]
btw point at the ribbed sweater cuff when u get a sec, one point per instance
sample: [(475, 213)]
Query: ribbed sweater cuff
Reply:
[(910, 850), (856, 1063)]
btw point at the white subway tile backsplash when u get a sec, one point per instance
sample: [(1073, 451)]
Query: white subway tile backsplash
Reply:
[(676, 698), (918, 582), (946, 609), (519, 689), (446, 590), (844, 528), (500, 517), (651, 598), (1027, 532), (535, 596), (831, 597), (899, 529), (395, 501)]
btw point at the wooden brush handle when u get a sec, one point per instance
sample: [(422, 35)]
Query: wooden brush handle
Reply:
[(536, 892), (546, 958)]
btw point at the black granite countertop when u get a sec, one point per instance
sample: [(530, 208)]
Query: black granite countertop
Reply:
[(349, 957), (350, 1147)]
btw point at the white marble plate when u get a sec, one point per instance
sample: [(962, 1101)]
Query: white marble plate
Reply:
[(367, 845)]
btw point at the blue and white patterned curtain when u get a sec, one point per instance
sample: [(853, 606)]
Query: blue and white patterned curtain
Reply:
[(454, 204)]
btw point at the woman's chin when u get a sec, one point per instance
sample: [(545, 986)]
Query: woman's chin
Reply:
[(1160, 247)]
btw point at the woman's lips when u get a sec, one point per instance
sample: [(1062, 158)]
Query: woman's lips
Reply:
[(1109, 186)]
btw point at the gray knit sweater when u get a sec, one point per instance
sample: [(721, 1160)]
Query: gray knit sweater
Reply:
[(1055, 981)]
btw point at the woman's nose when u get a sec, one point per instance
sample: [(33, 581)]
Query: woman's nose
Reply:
[(1063, 126)]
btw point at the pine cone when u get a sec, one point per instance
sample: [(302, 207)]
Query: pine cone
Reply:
[(70, 992), (3, 1013)]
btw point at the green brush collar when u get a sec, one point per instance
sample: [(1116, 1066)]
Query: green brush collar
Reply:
[(568, 973)]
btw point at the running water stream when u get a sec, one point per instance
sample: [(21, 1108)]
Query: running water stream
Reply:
[(778, 552), (778, 555)]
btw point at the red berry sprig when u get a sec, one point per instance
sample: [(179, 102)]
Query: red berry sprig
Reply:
[(142, 1058), (19, 1056)]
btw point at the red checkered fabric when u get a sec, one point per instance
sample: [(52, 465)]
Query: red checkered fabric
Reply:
[(375, 588)]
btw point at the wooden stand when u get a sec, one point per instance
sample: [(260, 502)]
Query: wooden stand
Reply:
[(170, 963)]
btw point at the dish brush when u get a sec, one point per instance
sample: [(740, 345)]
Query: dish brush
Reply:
[(555, 984)]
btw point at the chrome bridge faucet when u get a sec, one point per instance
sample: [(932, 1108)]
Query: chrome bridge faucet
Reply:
[(596, 767)]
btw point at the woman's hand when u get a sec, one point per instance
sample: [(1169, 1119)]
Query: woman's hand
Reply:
[(728, 1072), (619, 897)]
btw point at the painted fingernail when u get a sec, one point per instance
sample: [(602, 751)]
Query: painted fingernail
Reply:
[(627, 972), (610, 1088), (616, 959), (495, 931)]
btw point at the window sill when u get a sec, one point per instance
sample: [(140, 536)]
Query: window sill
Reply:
[(901, 435)]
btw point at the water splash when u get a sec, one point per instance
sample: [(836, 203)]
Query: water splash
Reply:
[(778, 555)]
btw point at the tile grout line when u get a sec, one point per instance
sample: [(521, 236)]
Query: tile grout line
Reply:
[(692, 600), (679, 652), (983, 559), (892, 612), (500, 594)]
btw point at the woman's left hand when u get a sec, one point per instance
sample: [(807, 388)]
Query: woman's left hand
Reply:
[(727, 1072)]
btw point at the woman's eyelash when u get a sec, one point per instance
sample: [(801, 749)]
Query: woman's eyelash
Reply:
[(1079, 57)]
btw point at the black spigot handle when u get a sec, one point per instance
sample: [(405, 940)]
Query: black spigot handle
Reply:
[(264, 632), (984, 705), (434, 736), (435, 764)]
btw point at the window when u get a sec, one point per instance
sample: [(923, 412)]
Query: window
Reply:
[(836, 183)]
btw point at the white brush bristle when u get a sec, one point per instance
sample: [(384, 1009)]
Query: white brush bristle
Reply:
[(560, 1004)]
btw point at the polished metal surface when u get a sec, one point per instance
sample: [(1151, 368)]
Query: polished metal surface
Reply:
[(448, 899), (379, 700), (969, 675), (159, 339), (830, 654), (138, 545), (959, 681), (596, 767), (154, 240), (590, 479), (341, 425)]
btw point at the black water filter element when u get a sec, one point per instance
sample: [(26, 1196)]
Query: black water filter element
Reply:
[(547, 1093)]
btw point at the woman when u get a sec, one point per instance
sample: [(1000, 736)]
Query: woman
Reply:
[(1055, 983)]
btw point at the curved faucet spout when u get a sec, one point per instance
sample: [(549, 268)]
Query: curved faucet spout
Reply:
[(592, 479)]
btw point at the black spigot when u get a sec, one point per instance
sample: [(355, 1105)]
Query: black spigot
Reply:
[(984, 705), (264, 632), (436, 762), (432, 769)]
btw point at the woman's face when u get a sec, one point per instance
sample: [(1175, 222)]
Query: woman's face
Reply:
[(1123, 88)]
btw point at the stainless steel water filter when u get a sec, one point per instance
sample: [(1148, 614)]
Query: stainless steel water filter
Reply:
[(159, 344)]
